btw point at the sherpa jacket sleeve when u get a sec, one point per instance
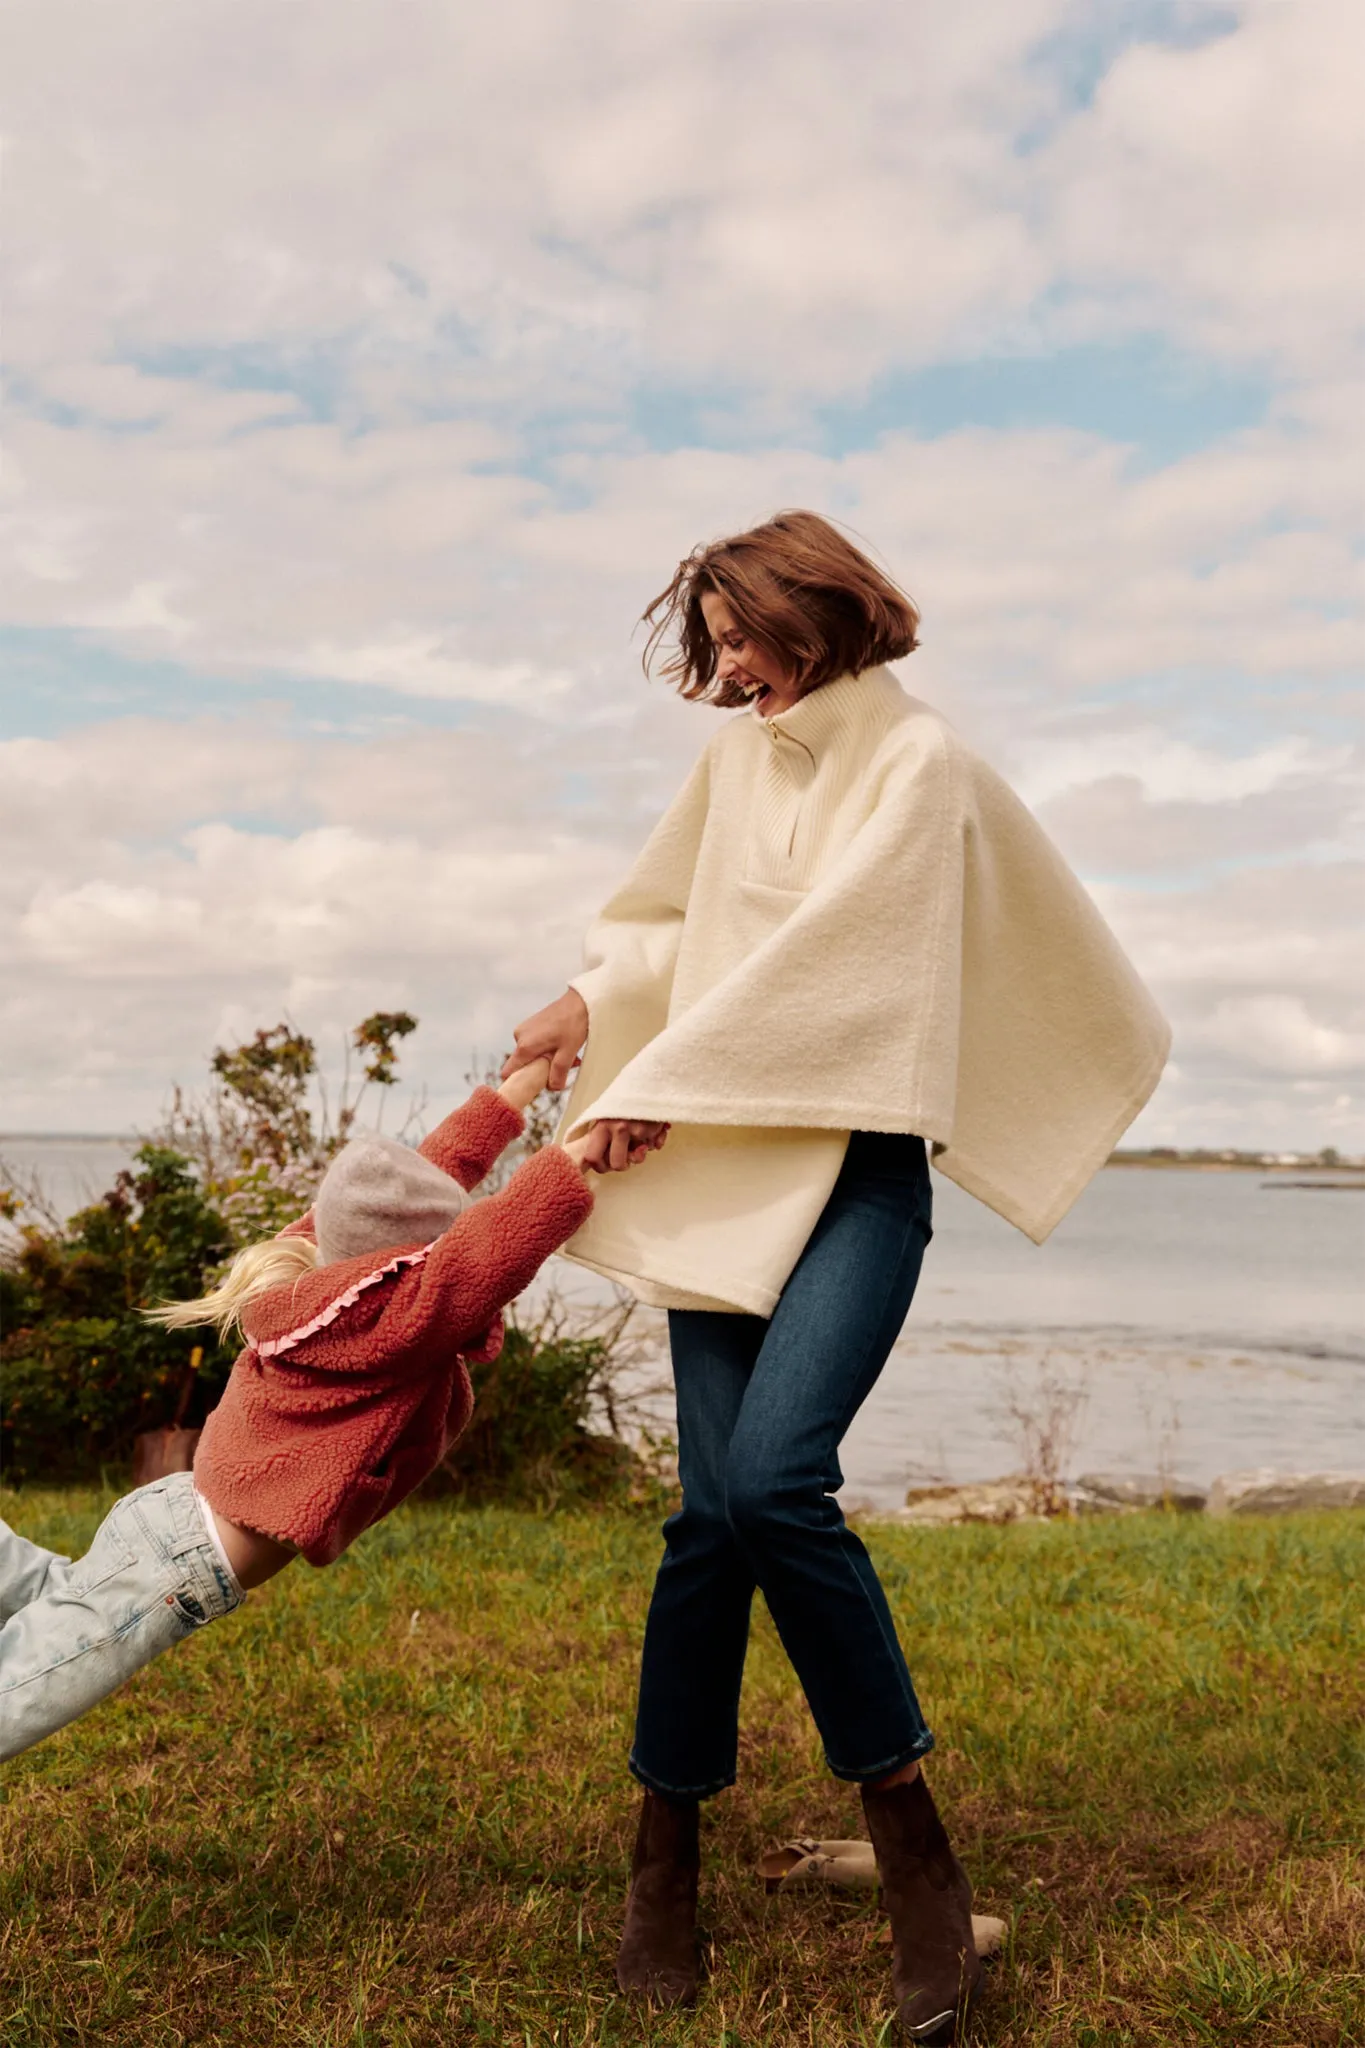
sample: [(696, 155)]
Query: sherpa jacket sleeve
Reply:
[(454, 1290), (472, 1137), (493, 1251)]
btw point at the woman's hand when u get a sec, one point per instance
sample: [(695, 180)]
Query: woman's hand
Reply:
[(521, 1088), (617, 1142), (556, 1033)]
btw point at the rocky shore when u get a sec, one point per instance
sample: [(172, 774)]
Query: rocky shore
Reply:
[(1021, 1498)]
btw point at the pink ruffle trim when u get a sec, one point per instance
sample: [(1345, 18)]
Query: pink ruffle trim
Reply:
[(273, 1346)]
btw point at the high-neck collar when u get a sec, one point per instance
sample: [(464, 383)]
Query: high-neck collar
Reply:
[(837, 709)]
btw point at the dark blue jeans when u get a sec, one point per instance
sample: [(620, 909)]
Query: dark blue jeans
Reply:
[(762, 1410)]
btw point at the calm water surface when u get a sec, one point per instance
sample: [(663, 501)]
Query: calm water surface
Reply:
[(1194, 1323)]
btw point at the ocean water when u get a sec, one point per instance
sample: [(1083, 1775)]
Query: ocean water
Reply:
[(1180, 1322), (69, 1171)]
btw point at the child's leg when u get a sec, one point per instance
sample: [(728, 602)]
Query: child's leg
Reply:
[(151, 1577), (26, 1571)]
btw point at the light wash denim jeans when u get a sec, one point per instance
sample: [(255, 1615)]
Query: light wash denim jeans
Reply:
[(70, 1634)]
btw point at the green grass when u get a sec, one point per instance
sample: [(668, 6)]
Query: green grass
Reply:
[(326, 1822)]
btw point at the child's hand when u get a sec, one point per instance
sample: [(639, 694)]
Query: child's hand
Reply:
[(616, 1144), (520, 1090), (577, 1149)]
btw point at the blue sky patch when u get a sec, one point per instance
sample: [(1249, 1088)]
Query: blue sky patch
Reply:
[(54, 681)]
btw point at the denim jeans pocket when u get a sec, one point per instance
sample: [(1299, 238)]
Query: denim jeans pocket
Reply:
[(109, 1555)]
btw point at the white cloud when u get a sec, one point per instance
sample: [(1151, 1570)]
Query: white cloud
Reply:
[(578, 195), (1278, 1033), (324, 341), (443, 871), (1215, 190), (1168, 769), (400, 559), (424, 667)]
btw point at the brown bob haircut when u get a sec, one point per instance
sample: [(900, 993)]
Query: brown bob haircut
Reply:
[(799, 589)]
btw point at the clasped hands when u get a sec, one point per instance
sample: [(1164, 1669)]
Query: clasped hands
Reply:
[(552, 1040)]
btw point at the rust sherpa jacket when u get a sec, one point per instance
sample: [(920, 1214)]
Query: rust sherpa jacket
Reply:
[(353, 1384)]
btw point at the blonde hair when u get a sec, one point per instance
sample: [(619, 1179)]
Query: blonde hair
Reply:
[(253, 1271)]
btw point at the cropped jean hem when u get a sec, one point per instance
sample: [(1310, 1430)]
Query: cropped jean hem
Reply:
[(652, 1784), (867, 1774)]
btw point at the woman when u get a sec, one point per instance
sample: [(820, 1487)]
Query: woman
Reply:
[(845, 941)]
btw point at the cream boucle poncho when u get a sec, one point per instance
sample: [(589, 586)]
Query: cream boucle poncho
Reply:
[(845, 921)]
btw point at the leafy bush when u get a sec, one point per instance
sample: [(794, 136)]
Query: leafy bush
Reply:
[(529, 1439), (82, 1370)]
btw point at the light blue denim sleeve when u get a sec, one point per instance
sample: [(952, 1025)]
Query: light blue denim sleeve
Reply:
[(150, 1578)]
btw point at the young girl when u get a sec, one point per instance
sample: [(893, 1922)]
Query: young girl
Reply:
[(353, 1385)]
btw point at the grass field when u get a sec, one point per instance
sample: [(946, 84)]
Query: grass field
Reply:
[(386, 1803)]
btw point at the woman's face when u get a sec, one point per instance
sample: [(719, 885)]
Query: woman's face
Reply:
[(762, 676)]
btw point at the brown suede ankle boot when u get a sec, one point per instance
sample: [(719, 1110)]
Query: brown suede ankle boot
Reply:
[(935, 1973), (658, 1954)]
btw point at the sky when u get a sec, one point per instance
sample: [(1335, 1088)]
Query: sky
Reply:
[(367, 370)]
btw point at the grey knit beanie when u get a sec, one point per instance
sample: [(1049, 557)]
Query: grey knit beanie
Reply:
[(377, 1193)]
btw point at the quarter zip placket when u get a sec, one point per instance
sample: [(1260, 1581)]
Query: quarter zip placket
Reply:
[(780, 738)]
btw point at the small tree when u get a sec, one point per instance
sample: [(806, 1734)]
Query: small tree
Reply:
[(258, 1139)]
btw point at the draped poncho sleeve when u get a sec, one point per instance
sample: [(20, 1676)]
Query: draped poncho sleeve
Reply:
[(846, 921)]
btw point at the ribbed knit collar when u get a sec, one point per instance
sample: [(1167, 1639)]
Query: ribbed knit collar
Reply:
[(834, 712)]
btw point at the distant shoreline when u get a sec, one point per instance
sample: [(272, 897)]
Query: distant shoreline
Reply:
[(1312, 1168), (125, 1138)]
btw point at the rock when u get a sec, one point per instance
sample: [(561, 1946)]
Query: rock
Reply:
[(989, 1500), (1104, 1492), (1267, 1492)]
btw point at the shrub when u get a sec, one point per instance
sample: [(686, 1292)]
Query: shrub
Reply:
[(529, 1439), (83, 1371)]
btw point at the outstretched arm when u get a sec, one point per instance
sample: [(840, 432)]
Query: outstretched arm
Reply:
[(466, 1144), (491, 1252)]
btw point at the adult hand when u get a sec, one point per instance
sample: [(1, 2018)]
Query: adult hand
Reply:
[(617, 1142), (556, 1033)]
